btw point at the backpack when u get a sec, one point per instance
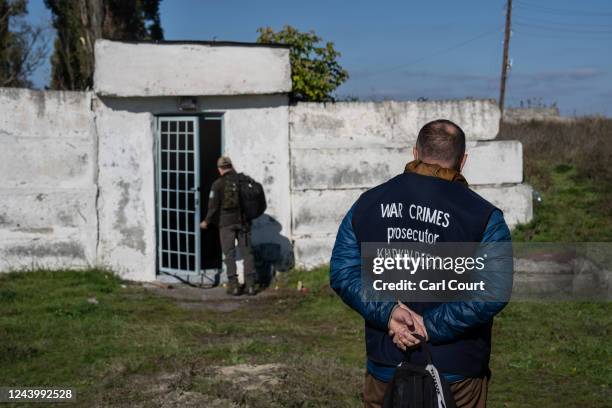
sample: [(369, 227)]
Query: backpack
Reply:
[(418, 386), (231, 195), (252, 197)]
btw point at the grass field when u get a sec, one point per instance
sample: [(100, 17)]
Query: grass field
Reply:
[(136, 348), (123, 344), (570, 165)]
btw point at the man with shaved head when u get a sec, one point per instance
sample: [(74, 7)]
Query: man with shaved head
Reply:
[(441, 208)]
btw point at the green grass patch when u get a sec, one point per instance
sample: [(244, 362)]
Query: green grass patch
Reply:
[(573, 208), (132, 346), (568, 164)]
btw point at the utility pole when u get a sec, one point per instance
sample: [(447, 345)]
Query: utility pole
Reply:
[(504, 71)]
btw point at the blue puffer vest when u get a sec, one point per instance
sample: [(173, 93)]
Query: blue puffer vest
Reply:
[(468, 214)]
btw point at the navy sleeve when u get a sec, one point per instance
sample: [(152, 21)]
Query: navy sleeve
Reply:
[(345, 277), (449, 320)]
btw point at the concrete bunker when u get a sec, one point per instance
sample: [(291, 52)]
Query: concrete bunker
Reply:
[(110, 177), (218, 100)]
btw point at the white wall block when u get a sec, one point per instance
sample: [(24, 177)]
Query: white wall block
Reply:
[(171, 69), (47, 188), (311, 251), (43, 209), (47, 227), (515, 201), (126, 204), (494, 162), (49, 248), (357, 167), (386, 124), (317, 215), (321, 211), (255, 136), (56, 115), (41, 162), (78, 170), (257, 140)]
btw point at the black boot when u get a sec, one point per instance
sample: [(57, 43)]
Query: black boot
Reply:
[(250, 288), (234, 289)]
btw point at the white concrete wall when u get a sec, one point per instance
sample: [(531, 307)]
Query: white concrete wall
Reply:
[(48, 183), (126, 204), (78, 171), (78, 176), (257, 140), (521, 115), (386, 124), (255, 136), (171, 69), (340, 150), (358, 167)]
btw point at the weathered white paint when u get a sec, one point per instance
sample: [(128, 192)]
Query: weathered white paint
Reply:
[(38, 115), (257, 140), (47, 188), (35, 162), (386, 124), (45, 208), (515, 201), (255, 134), (339, 150), (317, 215), (320, 211), (170, 69), (48, 248), (494, 162), (78, 170), (313, 250), (126, 203), (361, 167), (521, 115), (317, 212)]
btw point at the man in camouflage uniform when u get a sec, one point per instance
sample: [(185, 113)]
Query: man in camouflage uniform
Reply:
[(234, 231)]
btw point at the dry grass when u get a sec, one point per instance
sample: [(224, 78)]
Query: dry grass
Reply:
[(585, 144), (569, 163)]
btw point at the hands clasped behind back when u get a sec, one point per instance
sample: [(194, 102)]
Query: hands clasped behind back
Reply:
[(404, 323)]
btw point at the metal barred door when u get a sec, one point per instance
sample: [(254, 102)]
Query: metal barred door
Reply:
[(178, 194)]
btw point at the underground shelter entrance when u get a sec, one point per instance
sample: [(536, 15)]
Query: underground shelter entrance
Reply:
[(187, 152)]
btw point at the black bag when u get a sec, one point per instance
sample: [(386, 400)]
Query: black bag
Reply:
[(252, 197), (231, 194), (418, 386)]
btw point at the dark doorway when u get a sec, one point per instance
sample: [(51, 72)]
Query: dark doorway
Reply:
[(188, 147), (211, 130)]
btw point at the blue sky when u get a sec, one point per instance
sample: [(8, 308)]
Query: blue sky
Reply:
[(561, 50)]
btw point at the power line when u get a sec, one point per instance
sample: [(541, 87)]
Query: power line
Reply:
[(557, 29), (564, 23), (533, 33), (434, 54), (560, 11)]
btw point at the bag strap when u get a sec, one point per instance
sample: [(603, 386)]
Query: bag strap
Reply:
[(424, 346), (245, 177)]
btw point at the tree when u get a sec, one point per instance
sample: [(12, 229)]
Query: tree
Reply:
[(315, 71), (22, 46), (80, 22)]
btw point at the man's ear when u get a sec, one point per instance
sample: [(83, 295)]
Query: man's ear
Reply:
[(415, 153), (462, 162)]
